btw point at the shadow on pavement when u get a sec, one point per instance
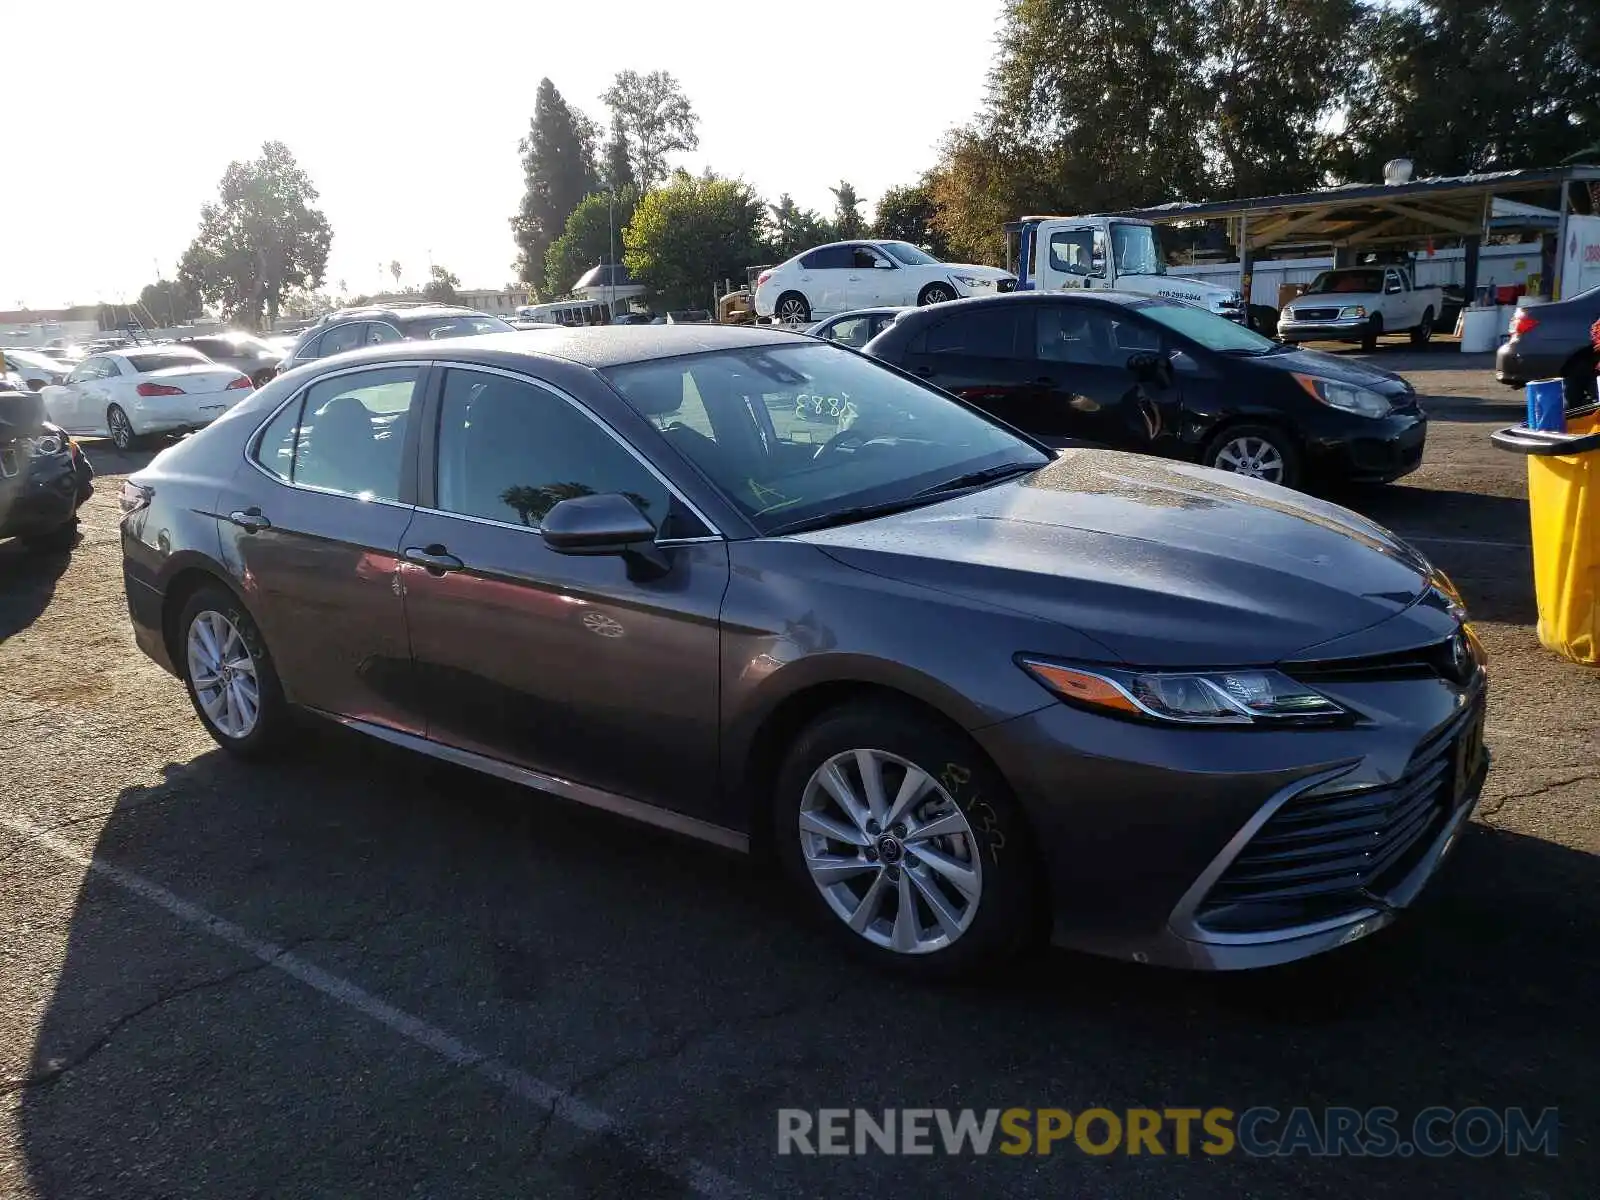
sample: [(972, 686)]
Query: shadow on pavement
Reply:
[(28, 580), (666, 984)]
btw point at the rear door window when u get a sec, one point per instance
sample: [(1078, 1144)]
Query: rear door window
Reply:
[(343, 337), (981, 333), (829, 258), (345, 434)]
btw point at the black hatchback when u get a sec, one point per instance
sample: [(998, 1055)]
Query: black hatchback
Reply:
[(1140, 373)]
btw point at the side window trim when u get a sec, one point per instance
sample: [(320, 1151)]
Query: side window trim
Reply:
[(427, 491), (420, 392)]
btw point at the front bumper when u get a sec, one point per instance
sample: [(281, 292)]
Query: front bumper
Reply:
[(1178, 847), (1343, 329), (1362, 450)]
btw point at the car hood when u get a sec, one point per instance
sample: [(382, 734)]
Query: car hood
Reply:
[(993, 274), (1164, 564), (1337, 367)]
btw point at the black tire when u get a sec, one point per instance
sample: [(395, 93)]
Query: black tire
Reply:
[(1224, 444), (1578, 378), (263, 376), (272, 715), (55, 541), (936, 293), (1423, 333), (1006, 915), (1374, 331), (121, 430), (791, 307)]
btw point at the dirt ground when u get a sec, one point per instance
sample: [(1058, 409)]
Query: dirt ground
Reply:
[(354, 973)]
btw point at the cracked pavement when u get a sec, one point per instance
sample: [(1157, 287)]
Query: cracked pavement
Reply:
[(670, 988)]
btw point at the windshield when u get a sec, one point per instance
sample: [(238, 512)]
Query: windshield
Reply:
[(792, 433), (427, 328), (1336, 282), (1211, 331), (908, 255), (1135, 249)]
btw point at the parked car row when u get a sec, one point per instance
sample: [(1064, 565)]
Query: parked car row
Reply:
[(966, 686)]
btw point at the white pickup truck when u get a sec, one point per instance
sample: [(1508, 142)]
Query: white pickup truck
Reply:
[(1361, 304)]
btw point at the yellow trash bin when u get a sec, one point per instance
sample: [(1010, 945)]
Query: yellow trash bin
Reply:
[(1564, 512)]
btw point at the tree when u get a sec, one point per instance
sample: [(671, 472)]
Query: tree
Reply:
[(394, 269), (794, 229), (617, 171), (593, 229), (847, 222), (441, 286), (558, 170), (690, 233), (656, 120), (261, 238), (1465, 85), (168, 302), (907, 214)]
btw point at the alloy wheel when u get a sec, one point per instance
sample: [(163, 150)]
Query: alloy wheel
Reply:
[(121, 429), (891, 851), (1252, 456), (223, 674), (938, 295), (792, 311)]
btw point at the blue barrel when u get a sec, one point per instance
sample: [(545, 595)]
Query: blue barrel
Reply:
[(1547, 406)]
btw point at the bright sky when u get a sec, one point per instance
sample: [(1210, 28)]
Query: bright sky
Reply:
[(122, 117)]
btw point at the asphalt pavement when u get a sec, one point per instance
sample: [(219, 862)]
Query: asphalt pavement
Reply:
[(357, 973)]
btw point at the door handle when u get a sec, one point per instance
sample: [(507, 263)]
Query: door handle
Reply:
[(250, 520), (435, 559)]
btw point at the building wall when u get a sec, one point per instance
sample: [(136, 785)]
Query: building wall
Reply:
[(501, 302)]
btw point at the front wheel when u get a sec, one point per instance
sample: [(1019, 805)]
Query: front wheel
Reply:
[(907, 842), (1255, 451), (1423, 333), (229, 674), (1374, 331), (936, 293)]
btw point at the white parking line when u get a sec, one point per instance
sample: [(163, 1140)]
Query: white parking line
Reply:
[(701, 1179), (1454, 541)]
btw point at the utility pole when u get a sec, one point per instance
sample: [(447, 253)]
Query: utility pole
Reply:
[(611, 263)]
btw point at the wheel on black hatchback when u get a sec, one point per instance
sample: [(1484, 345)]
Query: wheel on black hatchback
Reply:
[(229, 674), (907, 841), (1258, 451)]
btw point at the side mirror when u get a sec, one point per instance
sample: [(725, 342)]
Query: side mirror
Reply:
[(1393, 289), (607, 524), (884, 264)]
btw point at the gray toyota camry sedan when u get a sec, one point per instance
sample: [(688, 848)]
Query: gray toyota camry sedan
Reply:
[(764, 591)]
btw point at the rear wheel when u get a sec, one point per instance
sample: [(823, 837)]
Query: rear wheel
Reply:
[(906, 841), (1423, 334), (936, 293), (792, 309), (1256, 451), (121, 429), (1369, 339), (229, 674)]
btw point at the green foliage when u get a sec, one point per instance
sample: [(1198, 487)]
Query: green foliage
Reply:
[(654, 118), (587, 239), (689, 234), (260, 239), (441, 286), (167, 302), (908, 214), (558, 171), (793, 229), (847, 222), (617, 170), (1464, 86)]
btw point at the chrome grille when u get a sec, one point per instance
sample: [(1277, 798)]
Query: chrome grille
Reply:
[(1323, 855), (1315, 314)]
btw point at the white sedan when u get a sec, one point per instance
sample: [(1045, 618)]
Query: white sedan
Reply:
[(137, 391), (845, 275)]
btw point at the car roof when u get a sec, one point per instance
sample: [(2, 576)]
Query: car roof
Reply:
[(1123, 299), (875, 311), (595, 346)]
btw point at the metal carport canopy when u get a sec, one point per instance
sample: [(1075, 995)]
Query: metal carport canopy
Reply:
[(1371, 214)]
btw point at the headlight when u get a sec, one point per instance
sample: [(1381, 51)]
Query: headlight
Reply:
[(46, 445), (1351, 311), (1345, 396), (1246, 697), (969, 281)]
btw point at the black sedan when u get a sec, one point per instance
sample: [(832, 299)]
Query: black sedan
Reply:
[(1555, 341), (1136, 372), (759, 589), (44, 476)]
